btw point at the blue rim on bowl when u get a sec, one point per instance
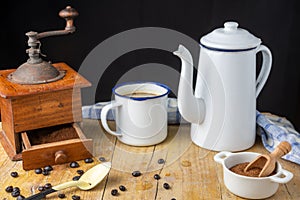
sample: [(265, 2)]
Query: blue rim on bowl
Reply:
[(139, 83)]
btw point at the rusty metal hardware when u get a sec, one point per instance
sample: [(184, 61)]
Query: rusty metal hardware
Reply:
[(36, 70)]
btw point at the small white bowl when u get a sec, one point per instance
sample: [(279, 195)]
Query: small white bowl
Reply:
[(250, 187)]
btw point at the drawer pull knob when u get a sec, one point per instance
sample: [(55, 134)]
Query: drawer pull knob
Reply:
[(60, 157)]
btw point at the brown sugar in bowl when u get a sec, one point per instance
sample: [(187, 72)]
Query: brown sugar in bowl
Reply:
[(246, 186), (253, 172)]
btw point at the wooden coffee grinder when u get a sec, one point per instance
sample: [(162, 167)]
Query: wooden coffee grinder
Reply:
[(41, 107)]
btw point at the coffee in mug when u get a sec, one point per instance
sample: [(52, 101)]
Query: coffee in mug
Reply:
[(141, 113), (141, 94)]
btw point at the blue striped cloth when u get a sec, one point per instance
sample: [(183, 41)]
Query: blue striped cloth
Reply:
[(94, 111), (272, 129)]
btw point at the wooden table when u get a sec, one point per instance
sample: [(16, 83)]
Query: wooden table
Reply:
[(190, 170)]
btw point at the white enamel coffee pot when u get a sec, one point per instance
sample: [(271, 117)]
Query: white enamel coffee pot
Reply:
[(222, 110)]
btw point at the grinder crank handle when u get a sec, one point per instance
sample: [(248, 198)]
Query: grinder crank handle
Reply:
[(68, 14)]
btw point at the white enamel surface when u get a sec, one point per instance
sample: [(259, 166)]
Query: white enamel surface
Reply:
[(250, 187), (191, 108), (139, 123), (265, 69), (226, 81), (230, 37), (222, 109)]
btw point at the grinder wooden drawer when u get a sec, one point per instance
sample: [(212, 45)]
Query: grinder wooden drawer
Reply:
[(55, 145)]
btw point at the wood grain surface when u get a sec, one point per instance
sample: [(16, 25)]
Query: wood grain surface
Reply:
[(189, 170)]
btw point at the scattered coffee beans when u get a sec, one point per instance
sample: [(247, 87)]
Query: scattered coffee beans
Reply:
[(74, 164), (48, 168), (47, 186), (20, 197), (41, 188), (102, 159), (9, 189), (75, 197), (38, 170), (88, 160), (16, 189), (114, 192), (166, 186), (122, 188), (14, 174), (161, 161), (45, 172), (80, 172), (61, 195), (156, 176), (15, 193), (76, 178), (136, 173)]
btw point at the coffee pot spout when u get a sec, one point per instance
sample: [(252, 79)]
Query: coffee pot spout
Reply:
[(191, 108)]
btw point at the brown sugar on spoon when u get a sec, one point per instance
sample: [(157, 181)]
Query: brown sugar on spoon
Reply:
[(267, 162)]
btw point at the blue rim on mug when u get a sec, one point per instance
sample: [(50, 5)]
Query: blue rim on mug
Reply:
[(141, 82)]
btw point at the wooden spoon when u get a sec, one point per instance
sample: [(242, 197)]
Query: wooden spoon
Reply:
[(87, 181), (267, 162)]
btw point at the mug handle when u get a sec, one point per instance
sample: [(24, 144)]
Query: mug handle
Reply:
[(104, 113), (265, 68), (287, 177), (220, 157)]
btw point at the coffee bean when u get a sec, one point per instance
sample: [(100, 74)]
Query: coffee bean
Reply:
[(41, 188), (166, 186), (75, 197), (14, 174), (16, 189), (48, 168), (61, 195), (76, 178), (173, 199), (45, 172), (20, 197), (15, 193), (9, 189), (114, 192), (156, 176), (74, 164), (136, 173), (47, 186), (122, 188), (102, 159), (80, 172), (88, 160), (38, 170), (161, 161)]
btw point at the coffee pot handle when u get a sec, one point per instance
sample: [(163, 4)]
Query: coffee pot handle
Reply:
[(265, 68), (104, 113)]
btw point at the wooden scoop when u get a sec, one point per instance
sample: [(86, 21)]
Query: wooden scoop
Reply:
[(267, 163)]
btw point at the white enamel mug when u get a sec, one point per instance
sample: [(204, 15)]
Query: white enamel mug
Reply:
[(250, 187), (141, 113)]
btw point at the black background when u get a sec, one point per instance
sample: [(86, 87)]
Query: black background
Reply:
[(274, 21)]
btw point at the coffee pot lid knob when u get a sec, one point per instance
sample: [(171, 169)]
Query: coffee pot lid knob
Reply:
[(231, 26)]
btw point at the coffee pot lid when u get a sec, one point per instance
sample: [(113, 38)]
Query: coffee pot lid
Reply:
[(231, 37)]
